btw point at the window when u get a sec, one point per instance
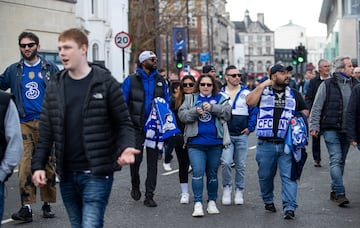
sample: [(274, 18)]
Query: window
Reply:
[(259, 50), (71, 1), (268, 51), (251, 50), (52, 57), (94, 8), (351, 7), (95, 52), (259, 67)]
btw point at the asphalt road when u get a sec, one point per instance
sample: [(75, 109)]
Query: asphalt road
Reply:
[(315, 208)]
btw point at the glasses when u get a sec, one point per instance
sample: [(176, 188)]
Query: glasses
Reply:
[(206, 84), (357, 72), (153, 59), (188, 84), (30, 45), (234, 75)]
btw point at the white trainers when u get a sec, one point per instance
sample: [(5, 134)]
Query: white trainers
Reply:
[(211, 207), (167, 166), (184, 198), (226, 197), (239, 197), (198, 210)]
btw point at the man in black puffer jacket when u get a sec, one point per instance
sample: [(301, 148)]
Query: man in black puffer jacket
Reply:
[(353, 118), (85, 116)]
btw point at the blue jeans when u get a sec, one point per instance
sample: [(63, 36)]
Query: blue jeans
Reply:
[(2, 201), (205, 158), (269, 156), (236, 152), (85, 198), (338, 147)]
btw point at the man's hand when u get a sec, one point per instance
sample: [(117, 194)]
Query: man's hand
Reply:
[(128, 156), (314, 133), (245, 131), (353, 143), (39, 178)]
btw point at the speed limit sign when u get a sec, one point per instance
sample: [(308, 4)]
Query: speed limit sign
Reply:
[(122, 40)]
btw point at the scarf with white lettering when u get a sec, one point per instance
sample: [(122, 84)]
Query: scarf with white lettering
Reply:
[(266, 113)]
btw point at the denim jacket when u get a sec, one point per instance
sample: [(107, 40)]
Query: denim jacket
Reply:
[(12, 76)]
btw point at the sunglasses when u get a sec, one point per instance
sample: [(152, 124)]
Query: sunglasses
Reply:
[(30, 45), (153, 59), (234, 75), (188, 84), (206, 84)]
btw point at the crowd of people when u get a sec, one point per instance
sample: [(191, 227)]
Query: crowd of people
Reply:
[(81, 125)]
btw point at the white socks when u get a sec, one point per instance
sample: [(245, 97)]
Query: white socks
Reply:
[(184, 187)]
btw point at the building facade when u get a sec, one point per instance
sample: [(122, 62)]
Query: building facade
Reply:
[(206, 28), (258, 41), (103, 20), (47, 22), (342, 20)]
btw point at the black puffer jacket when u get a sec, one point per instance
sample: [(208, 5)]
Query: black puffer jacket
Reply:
[(107, 127), (353, 116)]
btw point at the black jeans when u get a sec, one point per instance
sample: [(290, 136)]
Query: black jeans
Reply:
[(183, 158), (151, 161), (316, 148)]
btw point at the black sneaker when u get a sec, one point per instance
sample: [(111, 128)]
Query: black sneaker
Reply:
[(47, 212), (24, 214), (290, 214), (135, 193), (149, 202), (270, 207)]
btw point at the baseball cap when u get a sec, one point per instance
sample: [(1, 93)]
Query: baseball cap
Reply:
[(207, 68), (146, 55), (280, 68)]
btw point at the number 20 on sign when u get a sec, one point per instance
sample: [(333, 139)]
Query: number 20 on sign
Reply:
[(122, 40)]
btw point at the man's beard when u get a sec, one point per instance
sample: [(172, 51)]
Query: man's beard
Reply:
[(31, 57), (151, 67)]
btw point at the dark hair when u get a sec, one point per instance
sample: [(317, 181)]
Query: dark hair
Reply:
[(230, 67), (215, 89), (180, 98), (29, 35)]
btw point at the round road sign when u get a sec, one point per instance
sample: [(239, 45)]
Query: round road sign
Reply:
[(122, 40)]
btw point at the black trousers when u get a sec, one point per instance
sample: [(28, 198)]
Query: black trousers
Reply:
[(151, 171), (316, 148), (183, 159)]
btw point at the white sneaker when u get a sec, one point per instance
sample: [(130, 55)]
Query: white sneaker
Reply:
[(226, 197), (198, 210), (239, 197), (211, 207), (184, 198), (167, 166)]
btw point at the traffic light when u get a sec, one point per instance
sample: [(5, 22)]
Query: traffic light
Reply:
[(179, 59), (221, 74), (301, 54), (294, 55)]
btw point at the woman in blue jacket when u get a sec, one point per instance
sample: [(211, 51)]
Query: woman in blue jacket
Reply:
[(205, 114)]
